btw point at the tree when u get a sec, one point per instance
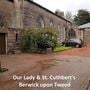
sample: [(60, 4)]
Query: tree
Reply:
[(69, 16), (82, 17)]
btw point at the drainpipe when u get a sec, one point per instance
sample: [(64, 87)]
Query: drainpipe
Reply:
[(6, 36), (84, 37)]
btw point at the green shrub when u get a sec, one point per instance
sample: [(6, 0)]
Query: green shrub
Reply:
[(39, 39), (28, 40), (61, 48), (46, 38)]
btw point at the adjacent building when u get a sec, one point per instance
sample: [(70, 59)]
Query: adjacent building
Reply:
[(84, 32)]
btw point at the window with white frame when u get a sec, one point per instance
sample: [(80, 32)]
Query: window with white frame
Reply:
[(40, 21), (51, 24)]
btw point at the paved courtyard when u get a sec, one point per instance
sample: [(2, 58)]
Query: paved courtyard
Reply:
[(74, 62)]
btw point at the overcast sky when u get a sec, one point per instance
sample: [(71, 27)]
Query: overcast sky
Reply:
[(65, 5)]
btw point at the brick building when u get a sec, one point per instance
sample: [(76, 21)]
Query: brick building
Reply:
[(19, 15)]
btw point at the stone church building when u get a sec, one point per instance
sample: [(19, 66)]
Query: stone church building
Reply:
[(19, 15)]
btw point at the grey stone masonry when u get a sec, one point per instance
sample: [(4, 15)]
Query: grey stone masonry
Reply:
[(19, 15)]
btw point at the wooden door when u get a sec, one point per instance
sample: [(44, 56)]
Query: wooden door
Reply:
[(2, 43)]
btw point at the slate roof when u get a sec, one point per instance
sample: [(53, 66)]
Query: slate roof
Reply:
[(85, 26)]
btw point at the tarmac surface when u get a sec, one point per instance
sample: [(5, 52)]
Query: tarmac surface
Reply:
[(71, 67)]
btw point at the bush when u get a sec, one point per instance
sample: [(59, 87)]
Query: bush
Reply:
[(46, 39), (28, 40), (39, 39)]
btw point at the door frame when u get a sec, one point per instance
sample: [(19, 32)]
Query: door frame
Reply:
[(6, 41)]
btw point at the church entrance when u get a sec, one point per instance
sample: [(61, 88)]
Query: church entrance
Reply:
[(2, 43)]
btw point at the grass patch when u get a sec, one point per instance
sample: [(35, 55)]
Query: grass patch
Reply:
[(61, 48)]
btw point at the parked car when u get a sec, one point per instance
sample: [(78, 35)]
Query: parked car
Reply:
[(73, 42)]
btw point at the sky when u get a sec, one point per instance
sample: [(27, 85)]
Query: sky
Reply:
[(65, 5)]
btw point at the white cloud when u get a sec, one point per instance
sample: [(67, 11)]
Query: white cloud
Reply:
[(65, 5)]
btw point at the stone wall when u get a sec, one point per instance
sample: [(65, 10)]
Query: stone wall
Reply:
[(7, 13), (31, 12), (87, 36), (25, 14), (10, 11), (6, 9)]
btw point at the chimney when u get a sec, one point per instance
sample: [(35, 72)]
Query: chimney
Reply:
[(59, 13)]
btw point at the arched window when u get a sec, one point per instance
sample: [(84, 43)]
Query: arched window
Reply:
[(58, 28), (40, 21), (51, 24)]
